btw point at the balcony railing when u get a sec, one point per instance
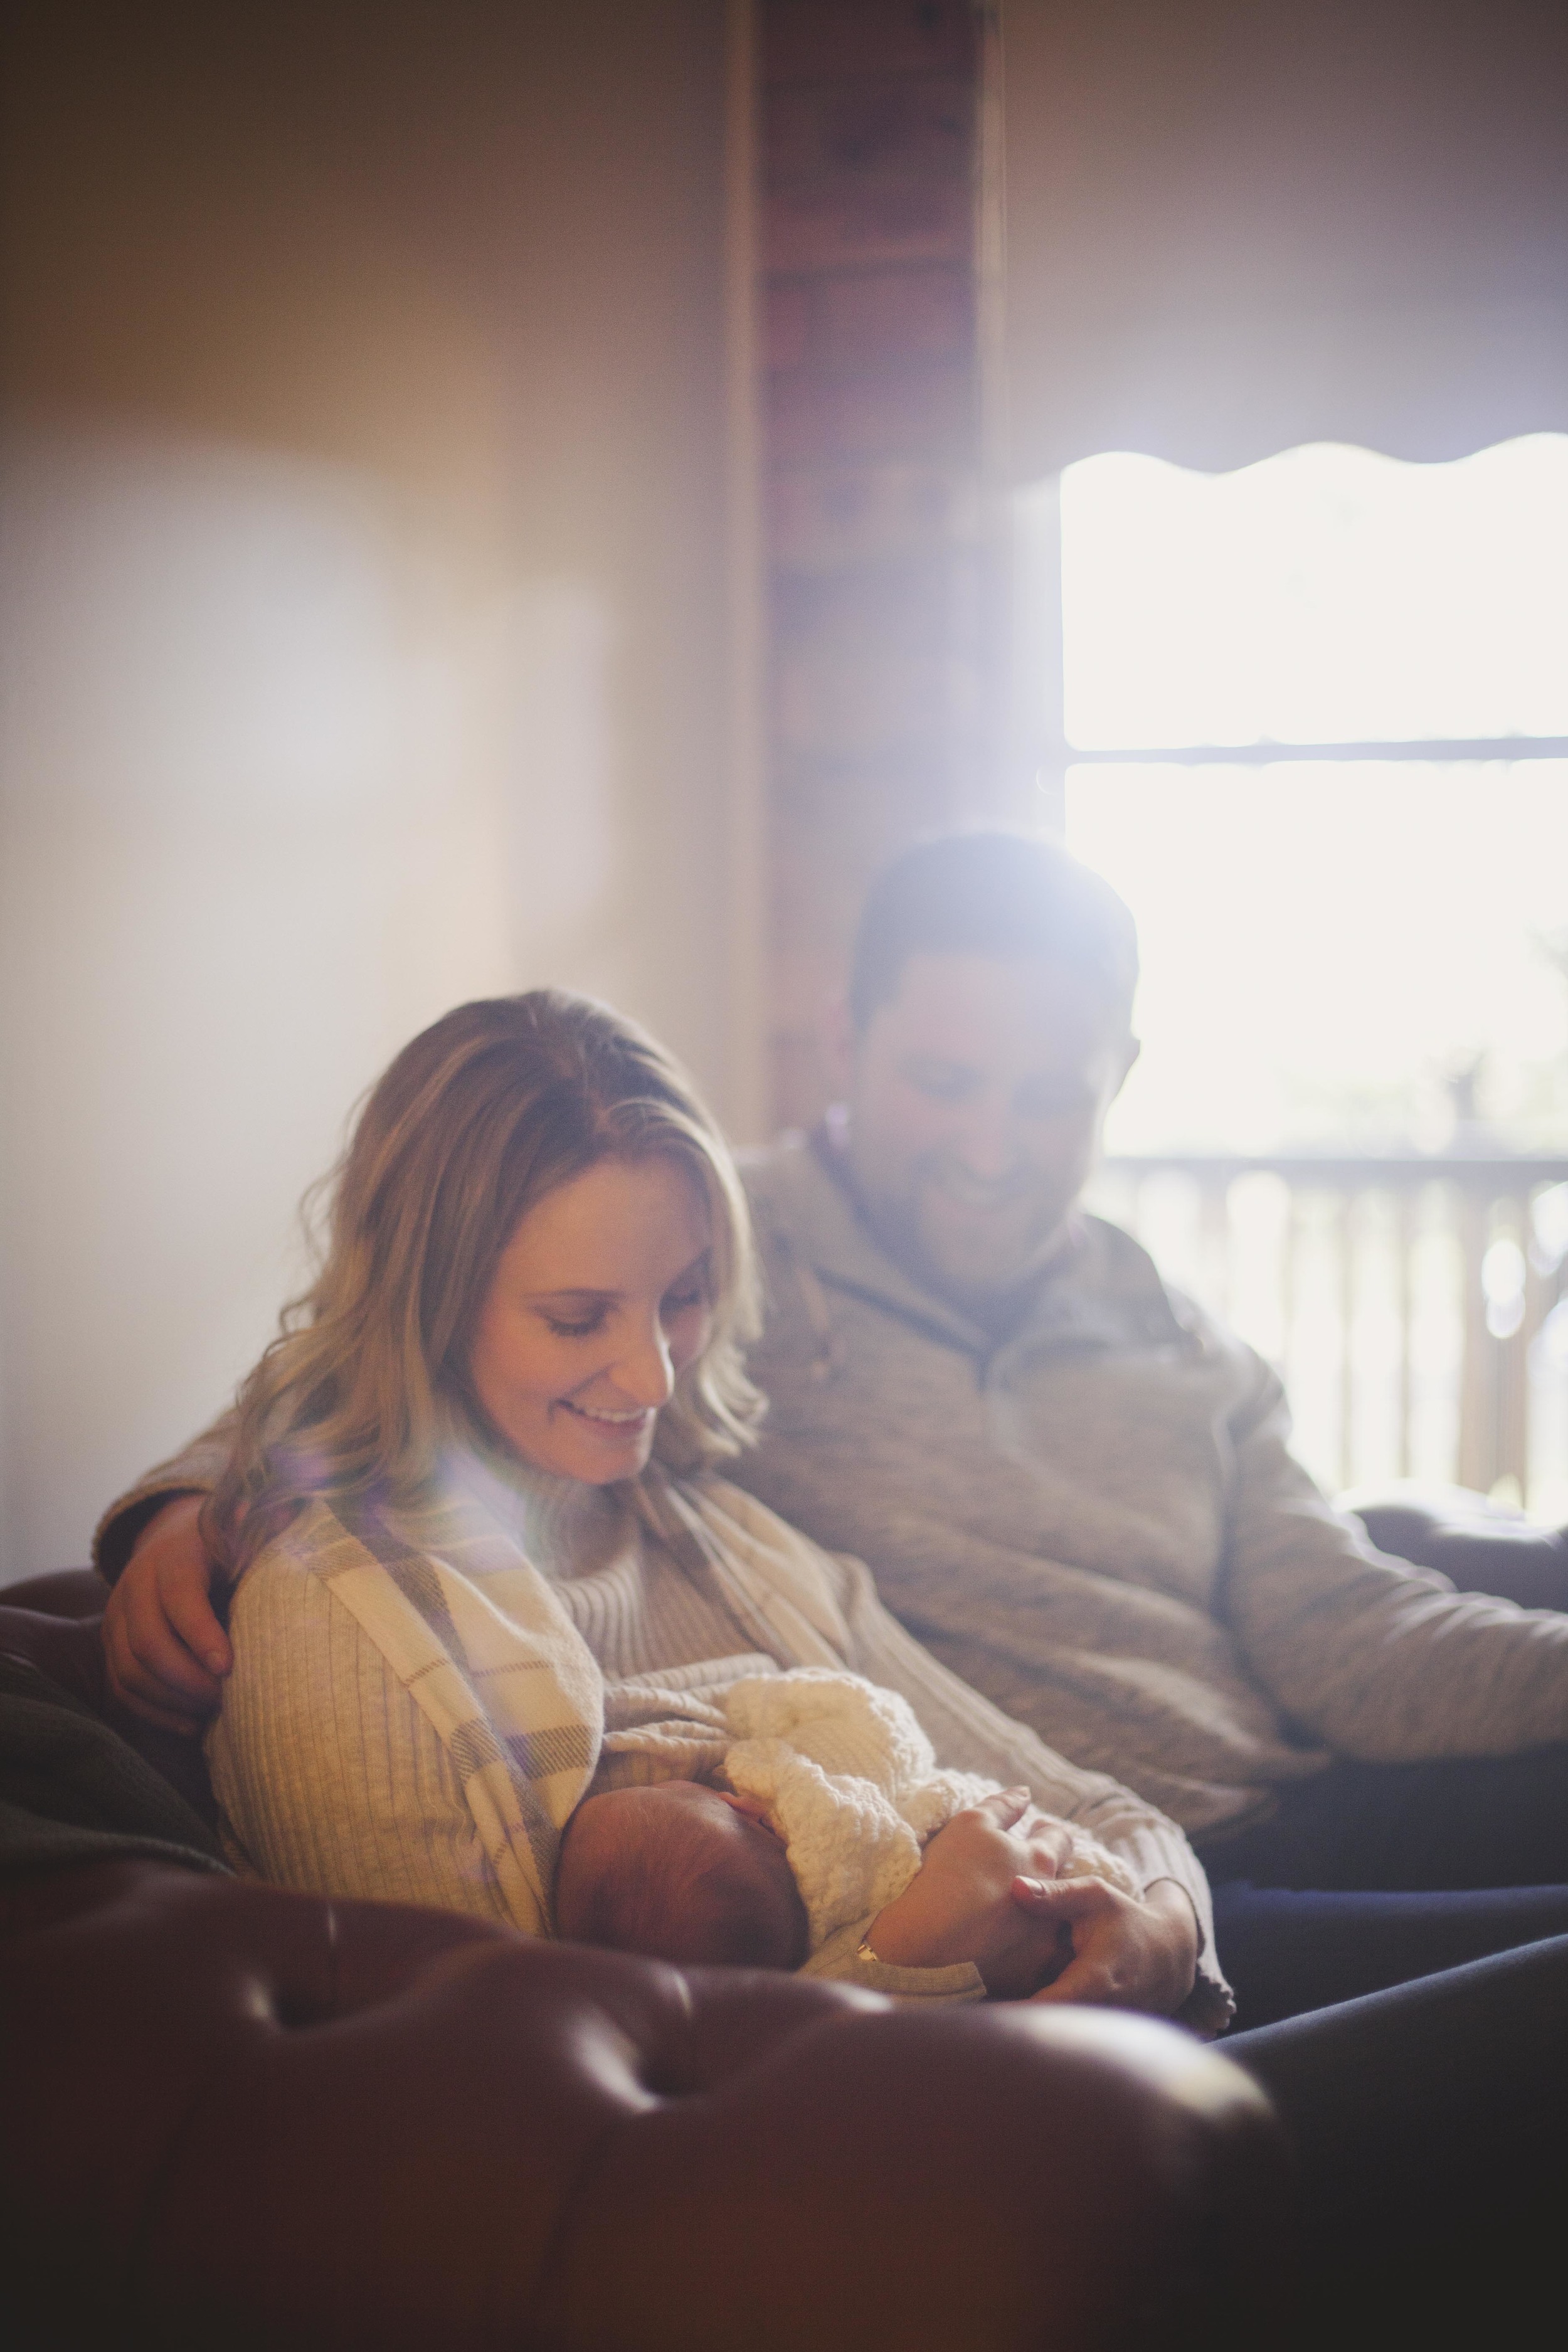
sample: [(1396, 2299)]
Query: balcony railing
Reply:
[(1416, 1305)]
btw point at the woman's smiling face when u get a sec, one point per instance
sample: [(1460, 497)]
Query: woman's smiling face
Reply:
[(599, 1301)]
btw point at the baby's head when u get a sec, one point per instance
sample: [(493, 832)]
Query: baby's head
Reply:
[(680, 1873)]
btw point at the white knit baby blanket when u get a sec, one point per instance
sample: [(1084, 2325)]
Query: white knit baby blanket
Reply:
[(849, 1780)]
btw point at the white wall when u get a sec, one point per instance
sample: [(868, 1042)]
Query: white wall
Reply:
[(363, 590)]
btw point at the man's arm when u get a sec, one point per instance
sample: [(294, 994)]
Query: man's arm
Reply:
[(165, 1650), (195, 1470), (1384, 1661)]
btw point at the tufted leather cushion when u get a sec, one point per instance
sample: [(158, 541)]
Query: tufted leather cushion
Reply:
[(242, 2118)]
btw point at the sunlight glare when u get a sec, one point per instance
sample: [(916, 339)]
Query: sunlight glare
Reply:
[(1326, 948)]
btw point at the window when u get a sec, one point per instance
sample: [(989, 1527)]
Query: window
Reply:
[(1366, 941), (1314, 722)]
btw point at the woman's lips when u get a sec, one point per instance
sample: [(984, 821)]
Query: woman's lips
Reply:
[(624, 1424)]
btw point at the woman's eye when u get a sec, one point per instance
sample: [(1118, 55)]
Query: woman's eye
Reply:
[(681, 1302), (564, 1330)]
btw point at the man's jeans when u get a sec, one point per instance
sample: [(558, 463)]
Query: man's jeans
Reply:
[(1428, 2124), (1398, 1936), (1370, 1874)]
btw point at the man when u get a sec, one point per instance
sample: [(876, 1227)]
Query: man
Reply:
[(1071, 1484)]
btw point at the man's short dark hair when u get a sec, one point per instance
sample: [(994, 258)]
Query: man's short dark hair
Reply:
[(1001, 894)]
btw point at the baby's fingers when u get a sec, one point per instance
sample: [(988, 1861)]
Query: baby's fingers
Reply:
[(1048, 1844)]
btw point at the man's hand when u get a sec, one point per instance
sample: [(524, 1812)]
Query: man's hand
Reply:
[(165, 1650), (961, 1906), (1125, 1955)]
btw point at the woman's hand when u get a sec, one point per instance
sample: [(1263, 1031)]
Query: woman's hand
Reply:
[(1125, 1954), (961, 1905), (165, 1650)]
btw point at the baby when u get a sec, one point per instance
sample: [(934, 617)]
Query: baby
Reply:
[(680, 1873), (833, 1792)]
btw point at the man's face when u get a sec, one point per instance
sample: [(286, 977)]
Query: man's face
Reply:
[(977, 1096)]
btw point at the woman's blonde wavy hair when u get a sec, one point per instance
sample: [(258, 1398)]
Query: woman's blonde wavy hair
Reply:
[(484, 1113)]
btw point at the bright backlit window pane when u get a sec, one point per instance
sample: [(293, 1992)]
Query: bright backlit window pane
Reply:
[(1344, 954), (1325, 595), (1330, 951)]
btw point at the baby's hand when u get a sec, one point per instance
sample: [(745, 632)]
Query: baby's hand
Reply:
[(961, 1903)]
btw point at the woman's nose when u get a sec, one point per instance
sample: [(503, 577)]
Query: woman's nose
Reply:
[(644, 1372)]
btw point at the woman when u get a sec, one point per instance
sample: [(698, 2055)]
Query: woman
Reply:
[(470, 1506)]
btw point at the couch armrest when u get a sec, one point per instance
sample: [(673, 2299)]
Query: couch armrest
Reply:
[(1475, 1543), (63, 1592), (236, 2116)]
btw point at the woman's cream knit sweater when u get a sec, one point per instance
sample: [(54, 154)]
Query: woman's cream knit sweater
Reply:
[(331, 1780)]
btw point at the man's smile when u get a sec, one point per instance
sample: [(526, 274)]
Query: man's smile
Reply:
[(980, 1194)]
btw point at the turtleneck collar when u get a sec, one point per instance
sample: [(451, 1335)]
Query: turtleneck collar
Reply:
[(565, 1526)]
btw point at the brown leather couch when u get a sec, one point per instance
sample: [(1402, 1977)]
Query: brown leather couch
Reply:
[(235, 2117)]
